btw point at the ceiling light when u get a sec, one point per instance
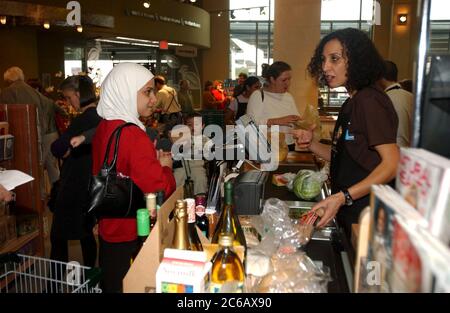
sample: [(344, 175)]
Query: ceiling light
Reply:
[(146, 4), (79, 28), (219, 14), (46, 25), (3, 20)]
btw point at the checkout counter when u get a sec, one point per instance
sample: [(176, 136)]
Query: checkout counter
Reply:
[(328, 246)]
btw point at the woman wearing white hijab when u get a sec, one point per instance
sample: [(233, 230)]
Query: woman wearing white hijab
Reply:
[(127, 94)]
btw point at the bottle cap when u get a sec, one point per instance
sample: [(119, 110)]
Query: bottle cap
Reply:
[(226, 239), (143, 223)]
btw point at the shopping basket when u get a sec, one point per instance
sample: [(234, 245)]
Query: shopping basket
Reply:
[(30, 274)]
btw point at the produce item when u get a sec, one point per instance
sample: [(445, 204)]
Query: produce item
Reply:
[(308, 184)]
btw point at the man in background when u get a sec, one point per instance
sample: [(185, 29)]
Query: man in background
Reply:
[(167, 101), (402, 100), (19, 92)]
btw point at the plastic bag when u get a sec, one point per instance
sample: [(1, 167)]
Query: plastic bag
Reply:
[(309, 118), (295, 272)]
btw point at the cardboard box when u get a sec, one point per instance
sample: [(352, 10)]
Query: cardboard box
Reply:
[(141, 277)]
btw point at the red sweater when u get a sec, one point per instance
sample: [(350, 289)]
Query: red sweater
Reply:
[(136, 159)]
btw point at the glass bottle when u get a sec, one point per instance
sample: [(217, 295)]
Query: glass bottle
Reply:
[(159, 199), (194, 241), (151, 207), (228, 221), (143, 230), (201, 219), (180, 238), (227, 273)]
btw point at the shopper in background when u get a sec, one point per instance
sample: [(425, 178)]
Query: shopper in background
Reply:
[(167, 101), (220, 95), (274, 105), (70, 197), (127, 93), (402, 101), (185, 98), (209, 102), (240, 102), (239, 88), (364, 150), (19, 92)]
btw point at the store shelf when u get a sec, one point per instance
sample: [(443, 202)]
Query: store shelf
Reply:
[(16, 244)]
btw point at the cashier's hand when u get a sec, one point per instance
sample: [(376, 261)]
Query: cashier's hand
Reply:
[(331, 206), (303, 137), (5, 195)]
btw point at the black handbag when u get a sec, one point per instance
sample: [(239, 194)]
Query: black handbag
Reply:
[(112, 194)]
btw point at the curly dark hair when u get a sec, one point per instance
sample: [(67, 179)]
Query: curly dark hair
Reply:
[(365, 65)]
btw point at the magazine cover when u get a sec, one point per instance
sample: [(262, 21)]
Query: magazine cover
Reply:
[(423, 180), (391, 251)]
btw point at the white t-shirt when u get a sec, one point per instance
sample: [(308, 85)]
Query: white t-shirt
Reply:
[(275, 105), (403, 105)]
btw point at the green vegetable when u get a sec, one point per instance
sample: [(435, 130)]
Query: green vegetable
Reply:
[(306, 186)]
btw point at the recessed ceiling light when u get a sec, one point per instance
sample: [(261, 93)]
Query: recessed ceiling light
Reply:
[(79, 28), (46, 25), (146, 4)]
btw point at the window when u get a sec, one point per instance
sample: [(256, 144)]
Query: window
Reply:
[(251, 36), (340, 14), (440, 26)]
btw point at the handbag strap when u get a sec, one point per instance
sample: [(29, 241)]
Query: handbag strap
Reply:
[(116, 132)]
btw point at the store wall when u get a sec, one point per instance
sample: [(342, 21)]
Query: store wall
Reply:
[(398, 43), (19, 48), (216, 60), (296, 34)]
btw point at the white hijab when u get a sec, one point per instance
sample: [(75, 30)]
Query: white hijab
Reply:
[(118, 95)]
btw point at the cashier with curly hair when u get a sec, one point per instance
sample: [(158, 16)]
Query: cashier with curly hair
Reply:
[(364, 150)]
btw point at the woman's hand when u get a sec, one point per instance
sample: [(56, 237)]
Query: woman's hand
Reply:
[(165, 158), (330, 206), (77, 140), (304, 137)]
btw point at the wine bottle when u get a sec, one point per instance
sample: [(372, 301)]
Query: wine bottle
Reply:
[(180, 238), (227, 273), (228, 221), (194, 241), (151, 207), (201, 219), (143, 230)]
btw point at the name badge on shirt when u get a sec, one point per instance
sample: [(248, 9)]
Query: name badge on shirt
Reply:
[(349, 136)]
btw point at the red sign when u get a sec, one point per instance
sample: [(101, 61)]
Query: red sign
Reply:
[(163, 45)]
